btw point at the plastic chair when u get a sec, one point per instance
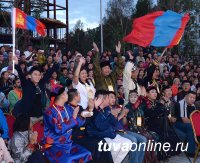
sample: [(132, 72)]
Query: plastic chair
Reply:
[(195, 121)]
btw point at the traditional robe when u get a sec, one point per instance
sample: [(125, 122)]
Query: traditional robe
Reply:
[(58, 123)]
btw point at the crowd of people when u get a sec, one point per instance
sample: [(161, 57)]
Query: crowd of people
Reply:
[(86, 100)]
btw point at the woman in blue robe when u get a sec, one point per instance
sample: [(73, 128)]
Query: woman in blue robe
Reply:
[(59, 121)]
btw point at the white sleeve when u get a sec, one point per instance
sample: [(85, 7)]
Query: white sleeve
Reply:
[(127, 80)]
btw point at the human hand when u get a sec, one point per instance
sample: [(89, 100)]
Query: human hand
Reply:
[(96, 49), (57, 58), (75, 113), (33, 137), (115, 111), (90, 105), (124, 112), (98, 101), (118, 47), (15, 59), (130, 55), (82, 61)]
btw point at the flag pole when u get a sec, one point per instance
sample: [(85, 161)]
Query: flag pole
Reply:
[(13, 34), (163, 52)]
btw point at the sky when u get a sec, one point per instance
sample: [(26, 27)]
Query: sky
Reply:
[(88, 11)]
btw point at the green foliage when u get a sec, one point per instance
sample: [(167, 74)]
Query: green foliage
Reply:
[(81, 40), (143, 7)]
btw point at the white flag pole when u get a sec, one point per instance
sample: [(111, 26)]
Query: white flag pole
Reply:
[(13, 34), (163, 52)]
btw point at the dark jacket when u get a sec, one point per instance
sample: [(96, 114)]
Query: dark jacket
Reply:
[(102, 124), (30, 103)]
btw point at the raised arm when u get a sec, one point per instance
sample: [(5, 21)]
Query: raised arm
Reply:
[(19, 70), (96, 60), (76, 74), (119, 66)]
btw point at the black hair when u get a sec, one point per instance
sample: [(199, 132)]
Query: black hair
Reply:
[(14, 81), (133, 91), (62, 69), (111, 92), (63, 63), (22, 123), (68, 82), (164, 87), (88, 70), (2, 74), (191, 92), (57, 92), (57, 50), (22, 62), (186, 81), (71, 62), (35, 68), (22, 54), (101, 92), (71, 94), (151, 88), (119, 86)]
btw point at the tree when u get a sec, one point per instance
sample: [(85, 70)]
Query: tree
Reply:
[(117, 22), (143, 7), (76, 37)]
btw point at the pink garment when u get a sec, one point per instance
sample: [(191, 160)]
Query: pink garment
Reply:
[(4, 154)]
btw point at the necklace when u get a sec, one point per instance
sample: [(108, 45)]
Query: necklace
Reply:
[(67, 115)]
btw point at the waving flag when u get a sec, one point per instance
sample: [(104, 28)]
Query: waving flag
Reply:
[(24, 21), (159, 29)]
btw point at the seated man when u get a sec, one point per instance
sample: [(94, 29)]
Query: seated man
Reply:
[(15, 94), (183, 110), (79, 135), (156, 120), (102, 126), (59, 121), (137, 155)]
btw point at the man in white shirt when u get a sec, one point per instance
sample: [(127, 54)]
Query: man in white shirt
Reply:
[(29, 53)]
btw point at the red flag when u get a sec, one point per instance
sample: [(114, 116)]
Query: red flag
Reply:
[(24, 21)]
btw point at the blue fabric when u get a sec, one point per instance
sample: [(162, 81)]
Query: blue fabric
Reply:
[(31, 23), (167, 26), (77, 154), (102, 124), (3, 125), (187, 129), (58, 135)]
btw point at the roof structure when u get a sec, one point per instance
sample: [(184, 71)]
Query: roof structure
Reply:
[(56, 29)]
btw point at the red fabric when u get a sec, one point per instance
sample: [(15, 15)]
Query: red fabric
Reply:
[(143, 29), (40, 28), (10, 121), (180, 32), (196, 122), (20, 19), (174, 90), (39, 127)]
